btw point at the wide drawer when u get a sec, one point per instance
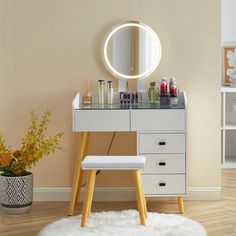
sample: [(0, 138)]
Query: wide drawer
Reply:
[(101, 120), (164, 164), (164, 184), (157, 119), (161, 143)]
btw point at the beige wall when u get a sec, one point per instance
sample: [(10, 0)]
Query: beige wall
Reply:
[(50, 48)]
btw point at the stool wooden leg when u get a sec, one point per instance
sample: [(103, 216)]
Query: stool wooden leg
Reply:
[(143, 196), (144, 199), (79, 187), (181, 205), (139, 196), (90, 206), (91, 196), (75, 186), (88, 197)]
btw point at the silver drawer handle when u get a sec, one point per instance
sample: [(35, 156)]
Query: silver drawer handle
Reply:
[(162, 184)]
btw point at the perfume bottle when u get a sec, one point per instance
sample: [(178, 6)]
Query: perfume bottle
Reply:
[(153, 93), (163, 88), (87, 100), (109, 92), (101, 92), (173, 87)]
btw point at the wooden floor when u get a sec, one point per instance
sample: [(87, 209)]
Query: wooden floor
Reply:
[(218, 217)]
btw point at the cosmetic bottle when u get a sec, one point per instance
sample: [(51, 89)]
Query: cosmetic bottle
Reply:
[(163, 88), (173, 87), (101, 92), (152, 93), (109, 92)]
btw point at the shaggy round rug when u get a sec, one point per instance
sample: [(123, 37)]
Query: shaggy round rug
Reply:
[(125, 223)]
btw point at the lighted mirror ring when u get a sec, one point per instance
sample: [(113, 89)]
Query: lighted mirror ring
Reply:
[(157, 58)]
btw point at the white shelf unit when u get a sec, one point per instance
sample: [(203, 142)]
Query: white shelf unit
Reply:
[(228, 127)]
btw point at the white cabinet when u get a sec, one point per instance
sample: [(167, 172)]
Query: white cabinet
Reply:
[(161, 138), (165, 152), (228, 127), (228, 94)]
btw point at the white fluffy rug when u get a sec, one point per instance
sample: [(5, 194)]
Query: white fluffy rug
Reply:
[(125, 223)]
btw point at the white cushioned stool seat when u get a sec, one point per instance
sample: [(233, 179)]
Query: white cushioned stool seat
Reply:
[(113, 162), (131, 163)]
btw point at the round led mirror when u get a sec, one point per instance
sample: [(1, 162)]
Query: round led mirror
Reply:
[(132, 51)]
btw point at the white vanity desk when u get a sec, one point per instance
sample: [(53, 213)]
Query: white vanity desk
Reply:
[(161, 137)]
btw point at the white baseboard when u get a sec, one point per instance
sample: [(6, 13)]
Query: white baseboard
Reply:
[(204, 193), (122, 194)]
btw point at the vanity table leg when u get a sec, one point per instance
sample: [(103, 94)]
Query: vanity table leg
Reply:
[(181, 205), (76, 186), (79, 187)]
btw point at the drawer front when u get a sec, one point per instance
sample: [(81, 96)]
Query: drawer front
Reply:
[(161, 143), (164, 164), (164, 184), (161, 120), (101, 120)]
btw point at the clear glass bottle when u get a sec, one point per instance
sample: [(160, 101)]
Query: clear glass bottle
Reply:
[(152, 93), (109, 92), (101, 92), (173, 87), (163, 88), (158, 91)]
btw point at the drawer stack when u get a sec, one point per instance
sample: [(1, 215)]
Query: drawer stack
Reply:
[(165, 169)]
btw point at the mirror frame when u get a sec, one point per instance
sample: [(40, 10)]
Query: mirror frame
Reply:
[(154, 35)]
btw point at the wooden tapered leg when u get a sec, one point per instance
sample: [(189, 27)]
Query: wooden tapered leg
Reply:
[(79, 187), (136, 194), (91, 197), (77, 170), (88, 197), (90, 206), (181, 205), (143, 196), (139, 196), (144, 199)]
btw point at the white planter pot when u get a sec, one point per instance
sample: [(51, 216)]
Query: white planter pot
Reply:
[(16, 193)]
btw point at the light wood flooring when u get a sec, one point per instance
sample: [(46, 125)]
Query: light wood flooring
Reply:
[(218, 217)]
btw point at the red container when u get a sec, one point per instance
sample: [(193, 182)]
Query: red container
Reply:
[(163, 87), (173, 87), (173, 90)]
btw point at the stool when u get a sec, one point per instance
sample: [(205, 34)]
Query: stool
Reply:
[(131, 163)]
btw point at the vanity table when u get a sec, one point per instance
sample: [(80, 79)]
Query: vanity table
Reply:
[(161, 138), (132, 51)]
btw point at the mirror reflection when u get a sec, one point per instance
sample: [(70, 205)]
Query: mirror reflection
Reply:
[(132, 51)]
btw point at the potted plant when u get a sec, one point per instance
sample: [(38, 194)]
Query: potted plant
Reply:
[(16, 182)]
